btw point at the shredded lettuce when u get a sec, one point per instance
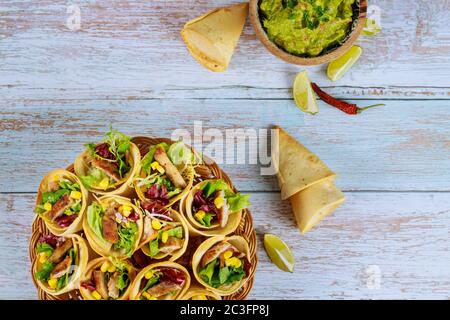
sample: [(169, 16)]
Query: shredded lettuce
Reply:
[(69, 185), (238, 202), (127, 236), (216, 276), (207, 272), (44, 247), (179, 153), (216, 185), (148, 158), (94, 218), (93, 178), (119, 144), (54, 196), (154, 247), (45, 271), (176, 232), (152, 281)]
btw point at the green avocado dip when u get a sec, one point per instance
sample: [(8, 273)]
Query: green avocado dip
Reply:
[(306, 27)]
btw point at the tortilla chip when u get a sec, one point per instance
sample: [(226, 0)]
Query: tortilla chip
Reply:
[(212, 38), (314, 203), (297, 167)]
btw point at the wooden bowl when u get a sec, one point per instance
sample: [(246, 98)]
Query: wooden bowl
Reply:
[(205, 171), (328, 56)]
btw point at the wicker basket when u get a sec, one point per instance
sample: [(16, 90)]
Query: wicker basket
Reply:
[(206, 171)]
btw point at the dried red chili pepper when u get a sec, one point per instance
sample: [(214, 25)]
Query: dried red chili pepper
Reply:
[(349, 108)]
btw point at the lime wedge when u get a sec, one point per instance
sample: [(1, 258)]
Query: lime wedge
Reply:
[(303, 93), (371, 28), (337, 68), (279, 252)]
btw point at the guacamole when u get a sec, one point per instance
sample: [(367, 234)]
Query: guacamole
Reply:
[(306, 27)]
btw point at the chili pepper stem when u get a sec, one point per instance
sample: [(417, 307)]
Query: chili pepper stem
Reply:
[(368, 107)]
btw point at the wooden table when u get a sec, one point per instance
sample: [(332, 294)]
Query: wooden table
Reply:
[(127, 65)]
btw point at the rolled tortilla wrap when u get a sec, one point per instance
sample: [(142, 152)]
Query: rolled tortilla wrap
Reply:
[(123, 186), (53, 210), (195, 227), (196, 292), (105, 234), (76, 255), (174, 221), (158, 170), (111, 269), (226, 289), (152, 272)]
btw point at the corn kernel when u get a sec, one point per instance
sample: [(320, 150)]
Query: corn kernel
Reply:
[(96, 295), (148, 296), (125, 210), (105, 266), (43, 257), (52, 283), (218, 202), (233, 262), (75, 195), (156, 166), (47, 206), (104, 184), (118, 220), (56, 178), (149, 274), (156, 224), (165, 236), (112, 268), (200, 215), (200, 297), (227, 254)]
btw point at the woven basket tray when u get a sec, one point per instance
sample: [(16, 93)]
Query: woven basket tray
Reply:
[(206, 171)]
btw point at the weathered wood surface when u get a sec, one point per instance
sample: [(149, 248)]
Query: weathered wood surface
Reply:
[(397, 147), (131, 49), (127, 65), (371, 231)]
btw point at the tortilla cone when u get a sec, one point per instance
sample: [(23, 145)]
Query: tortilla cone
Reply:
[(212, 38), (83, 257), (314, 203), (77, 224), (197, 290), (95, 265), (198, 229), (298, 168), (124, 187), (187, 174), (176, 254), (101, 246), (236, 241), (136, 285)]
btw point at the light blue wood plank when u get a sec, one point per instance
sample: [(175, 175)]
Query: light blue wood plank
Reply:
[(132, 49), (403, 146)]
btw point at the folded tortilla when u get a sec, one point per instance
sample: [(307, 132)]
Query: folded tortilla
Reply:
[(297, 167), (197, 290), (96, 265), (123, 187), (77, 224), (103, 247), (236, 241), (200, 230), (136, 285), (83, 258), (212, 38), (161, 255), (314, 203)]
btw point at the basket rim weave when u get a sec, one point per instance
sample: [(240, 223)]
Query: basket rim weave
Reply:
[(245, 230)]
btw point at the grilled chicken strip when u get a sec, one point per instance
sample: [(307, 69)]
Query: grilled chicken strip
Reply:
[(113, 291), (60, 206), (109, 168), (163, 288), (215, 252), (61, 268), (149, 233), (223, 213), (109, 223), (171, 245), (60, 251), (171, 171), (100, 284)]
